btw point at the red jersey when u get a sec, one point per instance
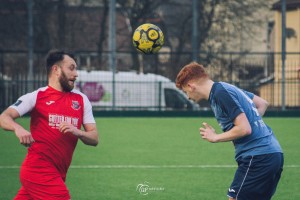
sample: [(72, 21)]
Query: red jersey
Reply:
[(48, 108)]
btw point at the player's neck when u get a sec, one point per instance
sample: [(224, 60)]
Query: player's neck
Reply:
[(207, 86), (55, 84)]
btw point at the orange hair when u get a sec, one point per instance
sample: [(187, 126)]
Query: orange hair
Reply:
[(189, 72)]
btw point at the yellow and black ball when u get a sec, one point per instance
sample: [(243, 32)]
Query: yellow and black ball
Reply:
[(148, 38)]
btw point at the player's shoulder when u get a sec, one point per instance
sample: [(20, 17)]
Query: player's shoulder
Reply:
[(42, 89), (31, 95), (236, 91), (221, 90), (77, 92), (228, 87), (220, 87)]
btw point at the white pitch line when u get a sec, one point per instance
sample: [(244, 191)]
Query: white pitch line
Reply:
[(145, 166), (149, 166), (9, 167)]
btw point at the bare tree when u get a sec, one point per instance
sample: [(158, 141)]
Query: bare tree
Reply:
[(139, 12), (236, 26), (222, 26), (102, 34)]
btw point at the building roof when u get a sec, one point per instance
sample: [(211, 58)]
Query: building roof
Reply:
[(290, 4)]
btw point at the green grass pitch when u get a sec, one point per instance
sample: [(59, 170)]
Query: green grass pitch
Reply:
[(154, 158)]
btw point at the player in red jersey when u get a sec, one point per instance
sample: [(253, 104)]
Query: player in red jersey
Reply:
[(57, 113)]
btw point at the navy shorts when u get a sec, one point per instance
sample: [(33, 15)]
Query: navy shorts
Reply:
[(256, 177)]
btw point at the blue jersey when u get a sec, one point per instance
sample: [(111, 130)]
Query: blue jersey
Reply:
[(227, 102)]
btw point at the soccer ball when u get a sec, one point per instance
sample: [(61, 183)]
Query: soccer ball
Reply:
[(148, 38)]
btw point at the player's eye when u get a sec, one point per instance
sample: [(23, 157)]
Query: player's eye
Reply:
[(72, 68)]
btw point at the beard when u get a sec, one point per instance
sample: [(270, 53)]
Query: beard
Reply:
[(64, 82)]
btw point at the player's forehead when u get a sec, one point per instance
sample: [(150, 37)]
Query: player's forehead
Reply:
[(68, 61)]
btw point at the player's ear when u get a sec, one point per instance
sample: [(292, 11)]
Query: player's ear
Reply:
[(55, 69), (191, 85)]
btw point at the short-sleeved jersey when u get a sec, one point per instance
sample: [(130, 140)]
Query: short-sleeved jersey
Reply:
[(48, 108), (227, 102)]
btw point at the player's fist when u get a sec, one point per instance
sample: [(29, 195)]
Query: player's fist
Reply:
[(24, 136), (65, 127), (208, 133)]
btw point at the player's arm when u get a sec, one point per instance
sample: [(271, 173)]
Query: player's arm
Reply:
[(88, 136), (240, 129), (261, 104), (7, 122)]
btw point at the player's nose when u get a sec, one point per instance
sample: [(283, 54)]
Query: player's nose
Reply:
[(75, 73)]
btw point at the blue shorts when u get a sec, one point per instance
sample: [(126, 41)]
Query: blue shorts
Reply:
[(256, 177)]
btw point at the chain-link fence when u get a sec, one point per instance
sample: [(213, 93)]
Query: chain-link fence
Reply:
[(150, 84)]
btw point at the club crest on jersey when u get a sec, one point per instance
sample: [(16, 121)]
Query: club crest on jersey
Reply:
[(75, 105)]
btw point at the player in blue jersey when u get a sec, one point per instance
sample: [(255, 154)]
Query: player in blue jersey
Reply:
[(239, 113)]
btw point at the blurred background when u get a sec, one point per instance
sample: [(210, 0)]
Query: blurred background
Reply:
[(252, 44)]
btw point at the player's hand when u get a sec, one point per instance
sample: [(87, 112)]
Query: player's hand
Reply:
[(208, 133), (65, 127), (25, 137)]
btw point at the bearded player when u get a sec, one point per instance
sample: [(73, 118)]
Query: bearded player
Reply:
[(57, 113)]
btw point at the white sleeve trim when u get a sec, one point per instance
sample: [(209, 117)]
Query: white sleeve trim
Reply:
[(25, 103), (88, 117)]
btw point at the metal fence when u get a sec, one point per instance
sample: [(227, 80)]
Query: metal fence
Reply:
[(260, 73)]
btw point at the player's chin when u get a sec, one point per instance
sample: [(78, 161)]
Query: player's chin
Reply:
[(195, 100), (71, 84), (69, 87)]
